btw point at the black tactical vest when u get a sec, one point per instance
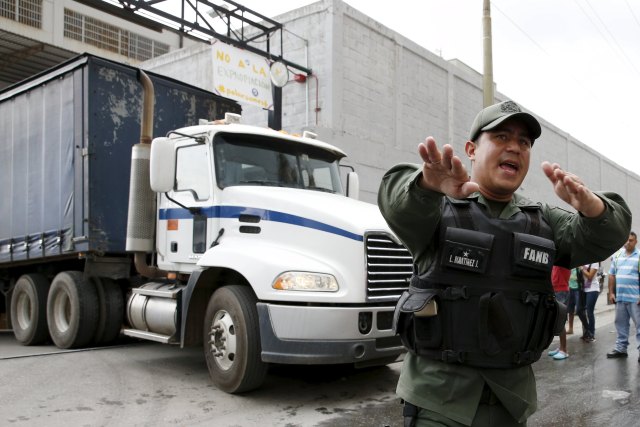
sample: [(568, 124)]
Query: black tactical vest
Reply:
[(487, 299)]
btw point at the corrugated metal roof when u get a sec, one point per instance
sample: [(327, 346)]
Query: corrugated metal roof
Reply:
[(21, 57)]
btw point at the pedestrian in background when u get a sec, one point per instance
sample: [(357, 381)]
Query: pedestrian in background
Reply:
[(576, 303), (624, 281), (591, 291), (560, 280)]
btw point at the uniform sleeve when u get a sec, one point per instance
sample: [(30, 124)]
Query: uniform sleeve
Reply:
[(411, 212), (581, 240)]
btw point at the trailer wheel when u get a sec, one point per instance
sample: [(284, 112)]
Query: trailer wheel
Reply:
[(29, 309), (111, 310), (72, 310), (232, 340)]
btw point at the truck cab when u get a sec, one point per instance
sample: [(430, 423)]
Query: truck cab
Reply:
[(309, 275), (236, 238), (215, 162)]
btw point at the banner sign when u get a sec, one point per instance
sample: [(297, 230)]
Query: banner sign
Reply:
[(241, 75)]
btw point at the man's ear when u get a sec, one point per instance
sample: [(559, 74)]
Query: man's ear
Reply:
[(470, 149)]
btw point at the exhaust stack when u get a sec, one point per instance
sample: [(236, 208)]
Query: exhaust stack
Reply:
[(142, 200)]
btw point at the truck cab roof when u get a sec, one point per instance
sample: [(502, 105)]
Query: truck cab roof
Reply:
[(212, 127)]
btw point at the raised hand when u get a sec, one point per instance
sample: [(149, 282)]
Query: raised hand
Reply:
[(572, 190), (444, 172)]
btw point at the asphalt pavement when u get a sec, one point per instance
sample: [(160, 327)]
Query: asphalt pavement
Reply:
[(588, 389), (151, 384)]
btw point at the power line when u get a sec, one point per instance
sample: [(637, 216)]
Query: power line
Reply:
[(571, 76), (620, 49), (620, 121), (520, 29), (632, 13)]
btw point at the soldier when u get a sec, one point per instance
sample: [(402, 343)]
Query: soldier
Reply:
[(480, 308)]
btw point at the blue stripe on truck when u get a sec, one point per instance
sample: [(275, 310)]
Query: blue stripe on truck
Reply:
[(264, 214)]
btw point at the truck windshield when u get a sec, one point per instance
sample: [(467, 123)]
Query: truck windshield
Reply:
[(244, 159)]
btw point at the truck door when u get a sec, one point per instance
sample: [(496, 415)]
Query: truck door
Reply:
[(187, 233)]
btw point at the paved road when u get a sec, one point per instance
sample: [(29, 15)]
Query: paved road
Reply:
[(587, 389), (149, 384)]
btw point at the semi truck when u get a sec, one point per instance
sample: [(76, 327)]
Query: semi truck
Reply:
[(244, 240)]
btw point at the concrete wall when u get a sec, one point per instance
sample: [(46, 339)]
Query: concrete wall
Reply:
[(380, 94)]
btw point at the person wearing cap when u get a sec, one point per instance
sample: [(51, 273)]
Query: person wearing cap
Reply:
[(480, 308)]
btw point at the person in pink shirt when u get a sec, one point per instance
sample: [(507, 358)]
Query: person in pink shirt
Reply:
[(560, 280)]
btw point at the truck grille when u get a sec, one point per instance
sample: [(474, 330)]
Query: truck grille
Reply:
[(389, 268)]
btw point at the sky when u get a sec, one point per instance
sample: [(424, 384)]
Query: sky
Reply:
[(574, 63)]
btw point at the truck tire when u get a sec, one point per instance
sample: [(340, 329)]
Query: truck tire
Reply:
[(232, 340), (72, 310), (111, 310), (29, 309)]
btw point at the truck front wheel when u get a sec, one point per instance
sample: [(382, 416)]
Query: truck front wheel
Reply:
[(29, 309), (72, 310), (232, 340)]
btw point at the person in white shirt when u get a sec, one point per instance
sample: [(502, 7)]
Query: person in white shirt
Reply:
[(592, 291)]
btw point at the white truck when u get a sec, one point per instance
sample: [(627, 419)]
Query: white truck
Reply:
[(238, 238)]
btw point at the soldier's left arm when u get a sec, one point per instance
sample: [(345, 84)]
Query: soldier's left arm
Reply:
[(581, 240)]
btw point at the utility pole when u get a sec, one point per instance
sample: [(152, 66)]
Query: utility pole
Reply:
[(487, 78), (274, 116)]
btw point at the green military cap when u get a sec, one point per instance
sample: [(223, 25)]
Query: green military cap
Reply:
[(490, 117)]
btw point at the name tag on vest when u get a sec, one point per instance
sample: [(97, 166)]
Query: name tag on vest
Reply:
[(465, 257), (467, 250)]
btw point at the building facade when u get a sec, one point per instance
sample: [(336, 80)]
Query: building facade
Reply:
[(377, 94), (373, 92)]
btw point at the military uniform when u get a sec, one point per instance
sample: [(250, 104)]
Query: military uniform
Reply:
[(456, 390)]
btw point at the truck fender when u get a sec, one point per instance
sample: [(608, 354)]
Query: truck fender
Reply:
[(194, 299), (186, 300), (239, 262), (260, 263)]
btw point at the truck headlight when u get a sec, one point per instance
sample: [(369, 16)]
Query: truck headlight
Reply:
[(304, 281)]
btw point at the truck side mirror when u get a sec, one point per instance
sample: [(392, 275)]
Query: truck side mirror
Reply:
[(162, 169), (353, 185)]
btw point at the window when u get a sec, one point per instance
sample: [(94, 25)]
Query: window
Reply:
[(192, 172), (109, 37), (258, 160), (28, 12), (320, 175)]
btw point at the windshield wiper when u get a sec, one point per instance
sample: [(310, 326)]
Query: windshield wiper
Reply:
[(326, 190), (262, 182)]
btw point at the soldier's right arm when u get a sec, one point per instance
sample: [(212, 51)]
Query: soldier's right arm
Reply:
[(412, 212)]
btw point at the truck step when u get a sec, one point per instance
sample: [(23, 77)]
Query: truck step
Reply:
[(149, 336), (158, 293)]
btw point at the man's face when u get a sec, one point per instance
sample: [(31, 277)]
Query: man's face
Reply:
[(631, 243), (500, 159)]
